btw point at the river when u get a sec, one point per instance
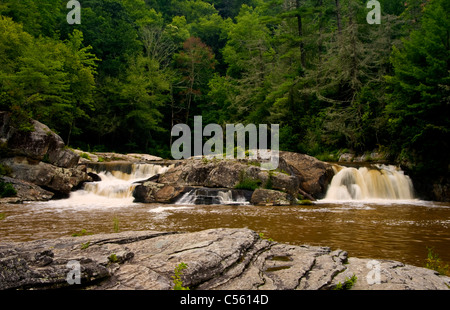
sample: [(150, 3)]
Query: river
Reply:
[(372, 228)]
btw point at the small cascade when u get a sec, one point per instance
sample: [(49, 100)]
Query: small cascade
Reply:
[(118, 181), (378, 182), (209, 196)]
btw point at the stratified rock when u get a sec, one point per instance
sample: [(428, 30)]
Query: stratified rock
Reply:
[(58, 180), (224, 259), (392, 276), (94, 157), (226, 174), (40, 144), (27, 191)]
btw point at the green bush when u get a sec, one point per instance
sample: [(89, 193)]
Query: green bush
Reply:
[(348, 284), (247, 183), (5, 170), (7, 190), (177, 282), (269, 183), (435, 263), (85, 156)]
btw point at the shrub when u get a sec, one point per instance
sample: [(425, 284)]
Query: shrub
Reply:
[(348, 284), (435, 263), (85, 156), (7, 190), (178, 283), (5, 170), (247, 183)]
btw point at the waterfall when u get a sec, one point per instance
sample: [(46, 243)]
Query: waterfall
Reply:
[(378, 182), (118, 181), (209, 196)]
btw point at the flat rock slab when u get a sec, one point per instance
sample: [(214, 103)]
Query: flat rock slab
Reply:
[(225, 259)]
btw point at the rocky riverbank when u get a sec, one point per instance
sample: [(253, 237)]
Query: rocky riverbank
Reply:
[(298, 177), (37, 163), (218, 259), (40, 167)]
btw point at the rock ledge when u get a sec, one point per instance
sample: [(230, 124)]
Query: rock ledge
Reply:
[(225, 259)]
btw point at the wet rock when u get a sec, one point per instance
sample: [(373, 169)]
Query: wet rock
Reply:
[(224, 259), (152, 192)]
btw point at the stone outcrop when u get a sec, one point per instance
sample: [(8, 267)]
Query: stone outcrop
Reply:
[(152, 192), (96, 157), (60, 181), (314, 175), (218, 259), (297, 175), (42, 144), (266, 197), (40, 166), (26, 191)]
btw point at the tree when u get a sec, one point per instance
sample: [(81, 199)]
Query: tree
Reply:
[(418, 92), (249, 56), (145, 90), (39, 18), (108, 27), (196, 63)]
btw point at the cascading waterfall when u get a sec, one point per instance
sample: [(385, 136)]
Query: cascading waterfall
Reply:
[(209, 196), (117, 182), (379, 182)]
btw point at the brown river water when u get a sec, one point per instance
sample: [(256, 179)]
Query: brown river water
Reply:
[(399, 230)]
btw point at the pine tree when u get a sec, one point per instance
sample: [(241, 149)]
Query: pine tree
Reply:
[(418, 105)]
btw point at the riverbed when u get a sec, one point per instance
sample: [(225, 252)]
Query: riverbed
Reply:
[(396, 230)]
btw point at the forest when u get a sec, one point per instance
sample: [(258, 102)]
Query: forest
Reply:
[(132, 69)]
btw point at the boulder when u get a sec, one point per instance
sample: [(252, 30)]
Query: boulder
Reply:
[(314, 175), (226, 174), (216, 259), (27, 191), (60, 181), (42, 144), (265, 197), (152, 192)]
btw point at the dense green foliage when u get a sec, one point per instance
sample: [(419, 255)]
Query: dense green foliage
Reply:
[(133, 69), (7, 190)]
